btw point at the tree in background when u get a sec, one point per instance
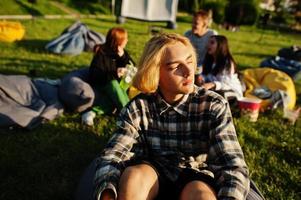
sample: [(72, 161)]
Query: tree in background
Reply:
[(297, 14), (189, 6), (236, 12), (218, 9), (280, 14), (292, 12), (241, 12), (285, 13)]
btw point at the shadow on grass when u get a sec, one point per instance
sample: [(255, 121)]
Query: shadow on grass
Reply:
[(47, 162), (242, 67), (37, 68), (99, 23), (256, 40), (33, 45), (253, 54), (105, 20), (279, 28), (91, 8), (29, 9)]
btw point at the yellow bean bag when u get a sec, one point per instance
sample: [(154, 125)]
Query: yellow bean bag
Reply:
[(11, 31), (272, 79), (132, 92)]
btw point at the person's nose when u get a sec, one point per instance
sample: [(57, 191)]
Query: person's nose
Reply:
[(187, 70)]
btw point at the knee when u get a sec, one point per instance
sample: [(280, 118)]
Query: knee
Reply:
[(197, 190), (134, 173), (139, 172), (143, 176)]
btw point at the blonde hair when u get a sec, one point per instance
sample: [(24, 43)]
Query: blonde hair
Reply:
[(147, 78)]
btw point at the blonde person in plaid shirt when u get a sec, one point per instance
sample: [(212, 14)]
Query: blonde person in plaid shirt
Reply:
[(174, 140)]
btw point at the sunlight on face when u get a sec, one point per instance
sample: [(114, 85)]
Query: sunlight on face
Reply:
[(176, 72), (199, 26), (124, 42)]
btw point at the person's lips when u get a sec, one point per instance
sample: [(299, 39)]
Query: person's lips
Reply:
[(187, 82)]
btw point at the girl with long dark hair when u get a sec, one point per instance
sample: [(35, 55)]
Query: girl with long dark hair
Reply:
[(219, 69)]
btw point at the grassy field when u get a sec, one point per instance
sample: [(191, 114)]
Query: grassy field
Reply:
[(47, 162), (46, 7), (23, 7)]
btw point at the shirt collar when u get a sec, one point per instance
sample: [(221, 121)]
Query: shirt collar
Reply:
[(181, 107)]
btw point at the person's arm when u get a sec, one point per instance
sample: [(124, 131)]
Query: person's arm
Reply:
[(227, 80), (117, 151), (208, 82), (225, 157), (122, 62)]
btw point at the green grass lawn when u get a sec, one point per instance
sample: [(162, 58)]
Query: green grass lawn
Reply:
[(47, 162), (23, 7), (46, 7)]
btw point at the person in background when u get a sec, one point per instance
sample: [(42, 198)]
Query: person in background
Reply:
[(199, 35), (219, 69), (106, 71), (175, 140)]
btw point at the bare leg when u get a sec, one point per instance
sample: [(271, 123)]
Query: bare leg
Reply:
[(197, 190), (139, 182)]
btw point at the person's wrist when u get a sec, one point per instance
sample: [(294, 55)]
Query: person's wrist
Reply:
[(213, 85), (108, 194)]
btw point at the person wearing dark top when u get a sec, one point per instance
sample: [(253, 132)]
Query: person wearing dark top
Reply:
[(107, 65), (106, 71)]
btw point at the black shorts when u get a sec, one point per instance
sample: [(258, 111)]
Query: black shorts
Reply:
[(172, 189)]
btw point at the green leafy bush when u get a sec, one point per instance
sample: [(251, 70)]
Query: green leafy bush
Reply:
[(189, 6), (241, 13), (217, 10)]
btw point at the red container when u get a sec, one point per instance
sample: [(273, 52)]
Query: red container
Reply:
[(249, 107)]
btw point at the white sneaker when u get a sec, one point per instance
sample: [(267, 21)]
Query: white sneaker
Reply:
[(88, 118)]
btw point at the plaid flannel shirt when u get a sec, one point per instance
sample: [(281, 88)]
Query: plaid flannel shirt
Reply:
[(197, 132)]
